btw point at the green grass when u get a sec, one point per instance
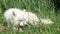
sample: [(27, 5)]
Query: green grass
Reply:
[(43, 9)]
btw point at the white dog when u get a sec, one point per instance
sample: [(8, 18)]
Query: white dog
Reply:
[(16, 17)]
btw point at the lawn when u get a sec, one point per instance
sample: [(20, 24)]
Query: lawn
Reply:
[(42, 8)]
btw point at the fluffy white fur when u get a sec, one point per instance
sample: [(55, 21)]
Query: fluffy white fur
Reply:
[(16, 17), (12, 17), (31, 18), (46, 21)]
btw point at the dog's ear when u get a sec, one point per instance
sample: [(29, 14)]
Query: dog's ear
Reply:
[(14, 14)]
